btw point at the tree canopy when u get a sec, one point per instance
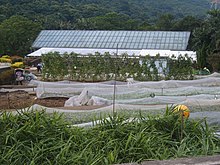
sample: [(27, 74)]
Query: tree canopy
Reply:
[(206, 37), (64, 14), (17, 34)]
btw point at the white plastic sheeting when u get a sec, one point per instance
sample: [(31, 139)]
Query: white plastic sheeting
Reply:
[(82, 51), (130, 52), (168, 53), (84, 99)]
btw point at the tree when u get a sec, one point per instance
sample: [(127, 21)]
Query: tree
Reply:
[(114, 21), (188, 23), (17, 34), (206, 37), (165, 22)]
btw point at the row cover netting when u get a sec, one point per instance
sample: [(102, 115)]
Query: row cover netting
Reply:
[(134, 90), (197, 94)]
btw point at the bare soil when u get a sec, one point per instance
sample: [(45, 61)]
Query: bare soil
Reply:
[(22, 99)]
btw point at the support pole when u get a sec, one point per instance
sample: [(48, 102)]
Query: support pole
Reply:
[(115, 78)]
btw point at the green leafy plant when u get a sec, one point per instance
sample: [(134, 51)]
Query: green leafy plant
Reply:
[(34, 137), (102, 67), (180, 67)]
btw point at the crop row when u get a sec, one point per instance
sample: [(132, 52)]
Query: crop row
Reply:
[(104, 67)]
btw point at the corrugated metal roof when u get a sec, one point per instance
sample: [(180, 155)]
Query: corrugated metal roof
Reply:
[(166, 40)]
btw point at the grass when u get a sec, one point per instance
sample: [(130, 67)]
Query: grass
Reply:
[(34, 137)]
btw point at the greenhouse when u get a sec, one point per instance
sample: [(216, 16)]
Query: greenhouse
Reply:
[(165, 43), (88, 42), (162, 44)]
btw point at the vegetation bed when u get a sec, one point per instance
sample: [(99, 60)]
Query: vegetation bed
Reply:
[(34, 137)]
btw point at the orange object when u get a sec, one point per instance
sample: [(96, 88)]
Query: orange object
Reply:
[(182, 109)]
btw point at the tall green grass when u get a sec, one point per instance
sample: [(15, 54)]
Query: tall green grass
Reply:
[(35, 137)]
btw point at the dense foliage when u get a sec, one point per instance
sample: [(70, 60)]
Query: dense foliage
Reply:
[(66, 14), (17, 34), (206, 38), (104, 67), (40, 138), (21, 21)]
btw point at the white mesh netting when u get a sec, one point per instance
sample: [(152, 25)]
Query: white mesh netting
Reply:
[(210, 85), (202, 94)]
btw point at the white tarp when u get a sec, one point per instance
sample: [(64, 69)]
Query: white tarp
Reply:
[(130, 52), (83, 51), (168, 53)]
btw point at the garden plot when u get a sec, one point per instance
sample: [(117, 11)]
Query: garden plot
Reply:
[(201, 92), (137, 89), (200, 95)]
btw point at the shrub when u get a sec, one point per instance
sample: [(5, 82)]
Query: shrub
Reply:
[(5, 60), (18, 65), (7, 76), (6, 56)]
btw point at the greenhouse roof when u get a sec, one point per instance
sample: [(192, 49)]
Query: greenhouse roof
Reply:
[(94, 39)]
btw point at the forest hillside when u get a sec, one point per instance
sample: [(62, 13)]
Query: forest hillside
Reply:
[(88, 14)]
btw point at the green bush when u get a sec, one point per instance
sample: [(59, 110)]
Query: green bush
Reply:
[(180, 68), (7, 76)]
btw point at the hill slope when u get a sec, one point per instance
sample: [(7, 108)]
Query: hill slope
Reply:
[(87, 8)]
